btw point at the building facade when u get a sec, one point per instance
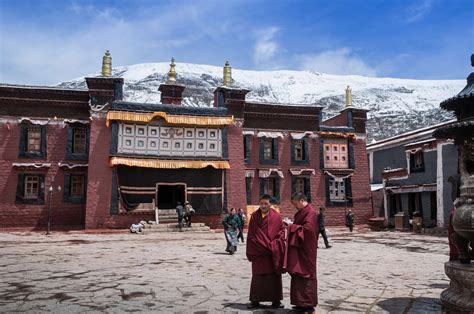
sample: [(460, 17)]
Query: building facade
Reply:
[(414, 172), (120, 162)]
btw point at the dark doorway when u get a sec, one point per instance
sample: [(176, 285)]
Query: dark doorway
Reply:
[(170, 194)]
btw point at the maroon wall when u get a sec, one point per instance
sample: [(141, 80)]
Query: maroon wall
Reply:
[(63, 214)]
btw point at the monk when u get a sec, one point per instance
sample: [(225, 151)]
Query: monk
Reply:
[(265, 250), (302, 253)]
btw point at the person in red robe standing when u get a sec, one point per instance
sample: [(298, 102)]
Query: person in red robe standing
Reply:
[(302, 254), (266, 250)]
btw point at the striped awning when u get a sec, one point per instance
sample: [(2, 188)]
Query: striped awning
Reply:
[(168, 164), (169, 118)]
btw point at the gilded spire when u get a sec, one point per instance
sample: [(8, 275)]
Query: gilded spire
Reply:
[(107, 64), (227, 74), (172, 71), (348, 96)]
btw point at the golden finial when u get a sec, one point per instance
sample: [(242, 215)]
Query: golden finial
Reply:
[(227, 74), (172, 71), (348, 96), (107, 64)]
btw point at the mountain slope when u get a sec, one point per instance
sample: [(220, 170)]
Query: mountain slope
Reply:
[(396, 105)]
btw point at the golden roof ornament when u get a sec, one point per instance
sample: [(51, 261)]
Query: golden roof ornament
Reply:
[(172, 71), (348, 96), (107, 64), (227, 74)]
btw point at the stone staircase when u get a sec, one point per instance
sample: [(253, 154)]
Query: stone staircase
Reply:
[(173, 227), (168, 222)]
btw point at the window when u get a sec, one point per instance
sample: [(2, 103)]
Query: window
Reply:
[(268, 151), (299, 151), (299, 185), (336, 154), (271, 186), (74, 187), (247, 142), (77, 185), (417, 162), (338, 191), (30, 188), (32, 141), (248, 186), (79, 141)]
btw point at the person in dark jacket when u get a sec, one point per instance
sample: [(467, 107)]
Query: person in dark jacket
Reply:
[(180, 212), (231, 225), (322, 230), (242, 219), (350, 220)]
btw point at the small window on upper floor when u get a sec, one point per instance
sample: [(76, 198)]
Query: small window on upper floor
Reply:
[(417, 162), (32, 141), (268, 149), (79, 141), (336, 154)]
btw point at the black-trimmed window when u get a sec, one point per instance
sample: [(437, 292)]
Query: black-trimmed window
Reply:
[(338, 191), (303, 185), (417, 163), (74, 187), (77, 143), (336, 154), (271, 186), (247, 145), (268, 151), (30, 188), (32, 141), (248, 189), (299, 151)]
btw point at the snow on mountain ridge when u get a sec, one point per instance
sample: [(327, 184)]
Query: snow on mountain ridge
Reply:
[(396, 105)]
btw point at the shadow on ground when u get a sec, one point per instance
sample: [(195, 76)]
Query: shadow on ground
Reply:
[(407, 305)]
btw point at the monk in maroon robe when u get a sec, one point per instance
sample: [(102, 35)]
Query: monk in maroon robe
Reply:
[(265, 250), (302, 253)]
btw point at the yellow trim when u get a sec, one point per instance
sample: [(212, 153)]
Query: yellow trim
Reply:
[(169, 118), (336, 134), (168, 164)]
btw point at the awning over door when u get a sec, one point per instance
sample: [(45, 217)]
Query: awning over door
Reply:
[(168, 164)]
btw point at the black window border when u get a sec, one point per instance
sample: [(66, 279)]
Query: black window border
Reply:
[(273, 161), (20, 189), (67, 197), (304, 161), (247, 147), (276, 198), (348, 192), (70, 144), (248, 189), (307, 186), (23, 150), (412, 162)]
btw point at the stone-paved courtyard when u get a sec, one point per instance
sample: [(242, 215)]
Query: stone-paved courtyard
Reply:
[(182, 272)]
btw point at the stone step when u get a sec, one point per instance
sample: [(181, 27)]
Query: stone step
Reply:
[(198, 229), (173, 225)]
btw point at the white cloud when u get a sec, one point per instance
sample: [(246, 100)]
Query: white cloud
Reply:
[(417, 11), (266, 48), (340, 61)]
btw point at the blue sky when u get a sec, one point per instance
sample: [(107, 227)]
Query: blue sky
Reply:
[(50, 41)]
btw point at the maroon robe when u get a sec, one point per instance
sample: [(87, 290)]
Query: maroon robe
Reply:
[(302, 253), (265, 250)]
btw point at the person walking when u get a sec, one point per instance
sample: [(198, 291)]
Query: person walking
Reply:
[(180, 212), (231, 225), (242, 220), (350, 220), (322, 229), (302, 252), (188, 213), (266, 251)]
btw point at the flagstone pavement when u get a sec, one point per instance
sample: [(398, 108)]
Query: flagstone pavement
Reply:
[(374, 272)]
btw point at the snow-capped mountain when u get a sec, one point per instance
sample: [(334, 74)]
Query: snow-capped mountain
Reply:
[(396, 105)]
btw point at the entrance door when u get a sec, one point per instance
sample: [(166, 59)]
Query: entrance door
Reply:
[(169, 194)]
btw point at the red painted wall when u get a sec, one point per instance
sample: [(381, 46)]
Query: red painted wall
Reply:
[(34, 216)]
